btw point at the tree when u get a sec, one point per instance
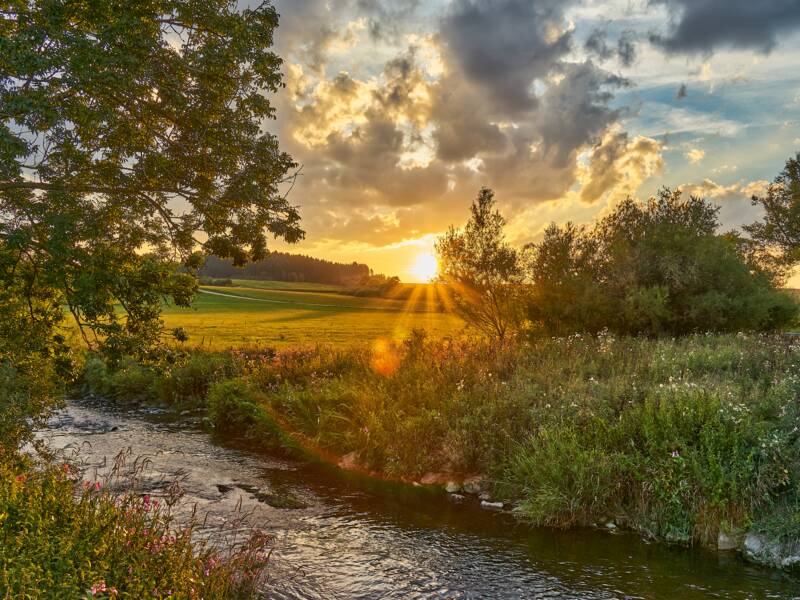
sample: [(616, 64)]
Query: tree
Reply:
[(658, 267), (132, 141), (777, 236), (481, 269)]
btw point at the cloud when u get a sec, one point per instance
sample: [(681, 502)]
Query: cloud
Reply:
[(626, 50), (397, 130), (619, 165), (755, 188), (503, 45), (597, 46), (710, 189), (695, 155), (702, 26)]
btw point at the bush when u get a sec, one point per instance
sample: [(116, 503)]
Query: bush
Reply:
[(187, 384), (236, 409), (130, 381), (653, 268), (59, 539), (676, 438)]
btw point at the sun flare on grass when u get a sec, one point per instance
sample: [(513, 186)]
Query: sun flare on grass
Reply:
[(425, 268)]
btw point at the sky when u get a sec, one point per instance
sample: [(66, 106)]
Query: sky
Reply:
[(399, 111)]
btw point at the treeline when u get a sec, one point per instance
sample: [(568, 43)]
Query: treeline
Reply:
[(660, 267), (281, 266)]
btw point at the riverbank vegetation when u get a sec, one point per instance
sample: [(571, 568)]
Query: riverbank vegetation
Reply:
[(679, 439), (92, 167), (61, 537)]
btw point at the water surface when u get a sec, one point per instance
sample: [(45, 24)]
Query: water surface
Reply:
[(345, 536)]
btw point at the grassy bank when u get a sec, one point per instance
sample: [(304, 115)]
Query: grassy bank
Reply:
[(678, 439), (60, 538)]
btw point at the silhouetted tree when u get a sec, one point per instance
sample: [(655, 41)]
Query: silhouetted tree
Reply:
[(777, 236), (482, 269)]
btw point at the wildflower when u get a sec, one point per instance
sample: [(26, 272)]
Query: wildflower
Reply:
[(675, 454), (98, 587), (97, 486)]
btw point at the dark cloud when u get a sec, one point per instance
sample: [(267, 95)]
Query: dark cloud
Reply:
[(701, 26), (503, 45), (626, 50), (596, 45)]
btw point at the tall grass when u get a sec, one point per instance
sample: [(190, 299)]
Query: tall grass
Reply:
[(679, 439)]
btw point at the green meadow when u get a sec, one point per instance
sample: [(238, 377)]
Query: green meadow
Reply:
[(266, 313)]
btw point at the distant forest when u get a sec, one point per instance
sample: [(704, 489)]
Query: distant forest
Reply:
[(281, 266)]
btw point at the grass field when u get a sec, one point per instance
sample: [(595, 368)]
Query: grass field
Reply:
[(289, 286), (224, 317)]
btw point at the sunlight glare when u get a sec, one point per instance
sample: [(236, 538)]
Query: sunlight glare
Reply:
[(425, 268)]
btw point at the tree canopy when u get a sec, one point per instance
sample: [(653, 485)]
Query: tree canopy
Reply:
[(481, 268), (132, 136), (658, 267), (133, 141), (777, 236)]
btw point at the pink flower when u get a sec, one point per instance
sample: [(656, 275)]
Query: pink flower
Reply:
[(146, 501), (675, 454), (99, 587), (96, 486)]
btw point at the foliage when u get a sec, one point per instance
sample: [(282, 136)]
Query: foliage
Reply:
[(482, 269), (777, 236), (114, 116), (33, 359), (61, 539), (653, 268), (282, 266), (677, 439), (235, 409)]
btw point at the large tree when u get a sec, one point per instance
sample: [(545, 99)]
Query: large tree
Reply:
[(655, 267), (776, 237), (132, 141), (482, 269)]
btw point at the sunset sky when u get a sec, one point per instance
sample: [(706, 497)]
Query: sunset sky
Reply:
[(400, 110)]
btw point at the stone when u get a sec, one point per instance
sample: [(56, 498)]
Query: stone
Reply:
[(473, 485), (492, 505), (759, 549), (790, 562), (224, 488), (611, 525), (452, 487), (727, 541), (431, 479), (456, 497)]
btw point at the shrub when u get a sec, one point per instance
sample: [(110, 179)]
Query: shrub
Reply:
[(188, 383), (62, 540), (237, 409)]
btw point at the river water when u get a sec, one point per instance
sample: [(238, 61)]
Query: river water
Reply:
[(340, 535)]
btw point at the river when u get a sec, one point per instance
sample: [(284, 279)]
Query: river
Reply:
[(344, 536)]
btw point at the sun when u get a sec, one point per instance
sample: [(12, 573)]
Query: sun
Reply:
[(425, 268)]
